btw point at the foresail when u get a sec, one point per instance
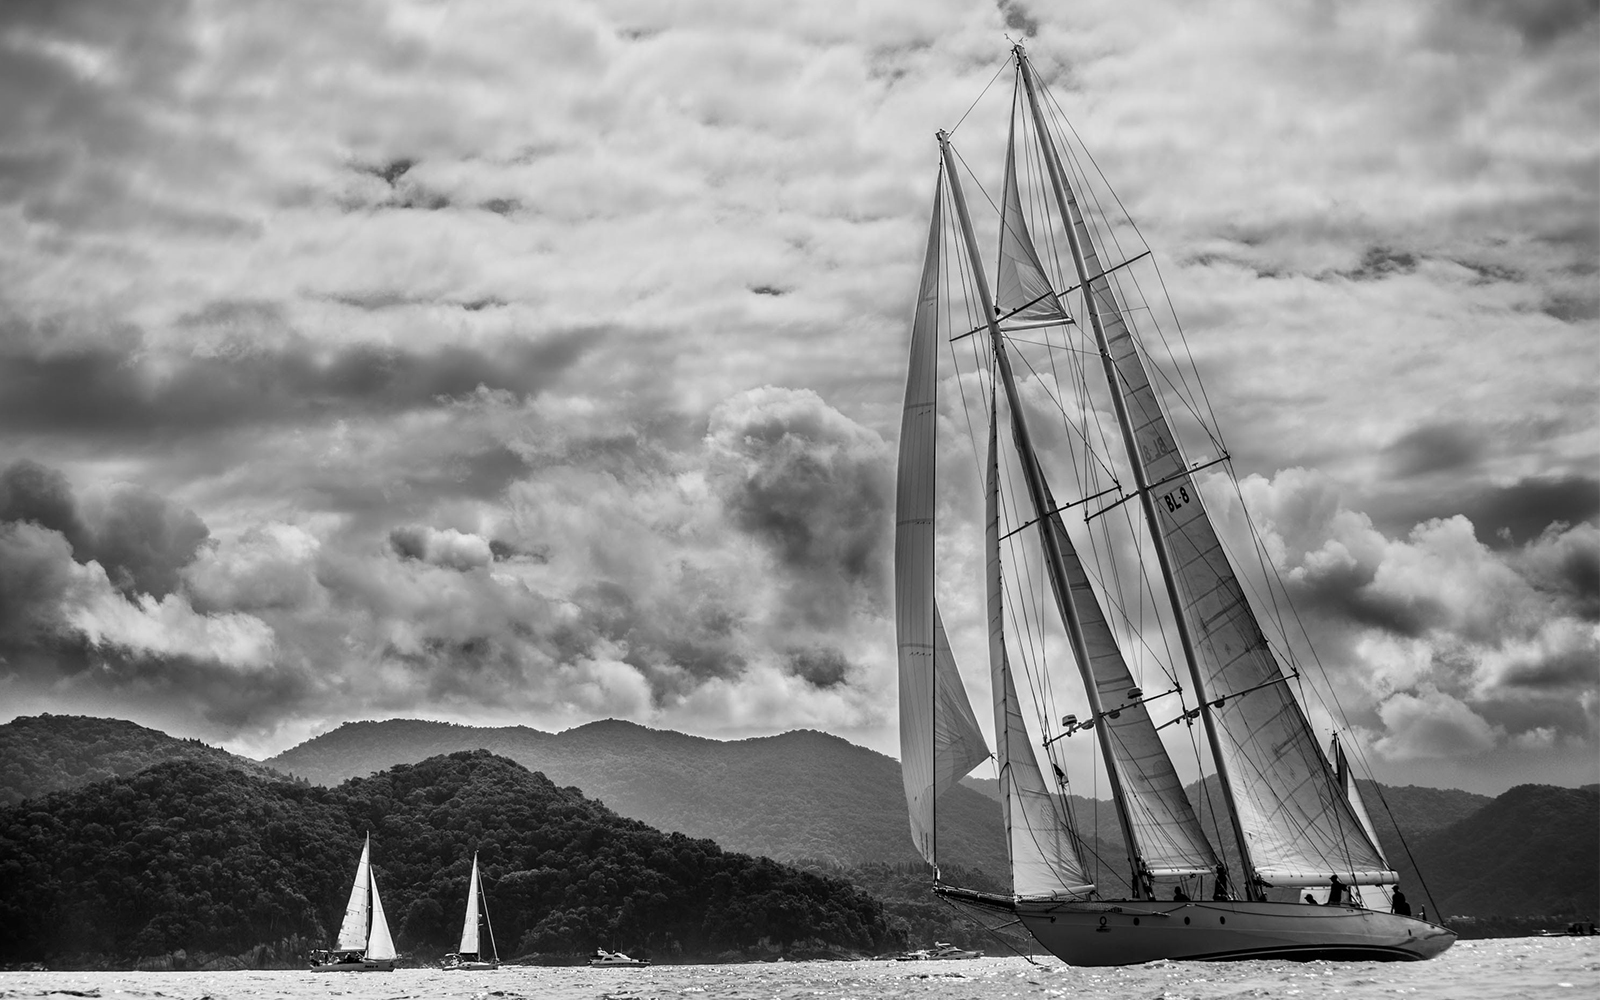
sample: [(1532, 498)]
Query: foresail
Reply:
[(939, 736), (353, 929), (1044, 862), (380, 946), (469, 930), (1170, 839), (1023, 296), (1296, 819), (1347, 781)]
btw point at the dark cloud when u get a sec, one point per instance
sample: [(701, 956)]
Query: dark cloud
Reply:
[(822, 667), (141, 539), (1382, 262), (41, 495), (813, 485), (1435, 448), (1346, 593), (1018, 17), (1538, 22), (120, 389), (1512, 515)]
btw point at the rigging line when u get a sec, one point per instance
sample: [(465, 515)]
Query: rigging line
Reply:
[(1061, 407), (993, 932), (1004, 61), (1133, 223), (1208, 419)]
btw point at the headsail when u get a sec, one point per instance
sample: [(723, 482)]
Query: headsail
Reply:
[(939, 736), (380, 946), (1044, 862), (1023, 296), (353, 930), (469, 930)]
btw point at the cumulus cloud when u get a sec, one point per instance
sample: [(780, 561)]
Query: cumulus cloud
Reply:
[(363, 385)]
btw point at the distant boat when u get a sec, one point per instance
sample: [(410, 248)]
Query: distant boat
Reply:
[(469, 956), (615, 960), (364, 944), (1079, 586), (940, 952)]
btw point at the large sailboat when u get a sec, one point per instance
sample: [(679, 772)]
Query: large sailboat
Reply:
[(364, 944), (470, 956), (1130, 582)]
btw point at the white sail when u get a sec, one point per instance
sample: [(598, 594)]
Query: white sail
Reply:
[(939, 736), (1044, 863), (380, 946), (1023, 296), (469, 929), (1347, 781), (1170, 840), (1298, 822), (353, 930)]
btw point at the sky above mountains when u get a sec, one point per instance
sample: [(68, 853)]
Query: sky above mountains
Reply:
[(512, 363)]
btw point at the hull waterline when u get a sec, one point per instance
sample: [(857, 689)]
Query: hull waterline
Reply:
[(1131, 932)]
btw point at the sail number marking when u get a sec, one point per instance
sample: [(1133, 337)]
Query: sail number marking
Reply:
[(1177, 498)]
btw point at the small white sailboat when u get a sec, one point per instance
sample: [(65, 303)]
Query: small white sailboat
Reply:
[(364, 944), (469, 956), (1291, 818)]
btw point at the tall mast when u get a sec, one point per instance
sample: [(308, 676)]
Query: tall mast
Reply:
[(1070, 219), (1034, 477)]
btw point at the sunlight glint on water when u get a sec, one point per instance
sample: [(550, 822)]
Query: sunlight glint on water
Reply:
[(1472, 970)]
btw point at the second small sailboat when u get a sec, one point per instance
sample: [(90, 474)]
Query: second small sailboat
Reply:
[(469, 956)]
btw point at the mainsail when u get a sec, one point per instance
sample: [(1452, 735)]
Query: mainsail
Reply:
[(939, 736), (1298, 823), (353, 930), (469, 929), (1044, 862)]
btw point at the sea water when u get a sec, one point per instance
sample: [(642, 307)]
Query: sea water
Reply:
[(1535, 968)]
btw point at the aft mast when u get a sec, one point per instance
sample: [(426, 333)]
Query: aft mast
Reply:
[(1039, 493)]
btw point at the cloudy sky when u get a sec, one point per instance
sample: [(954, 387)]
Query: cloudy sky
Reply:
[(536, 363)]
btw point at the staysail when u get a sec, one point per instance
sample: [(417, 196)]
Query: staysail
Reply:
[(1298, 823), (353, 930), (1044, 862), (1023, 295), (380, 946), (939, 736), (469, 930)]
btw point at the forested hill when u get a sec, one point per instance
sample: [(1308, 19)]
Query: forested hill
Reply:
[(1530, 851), (797, 795), (215, 861), (48, 753)]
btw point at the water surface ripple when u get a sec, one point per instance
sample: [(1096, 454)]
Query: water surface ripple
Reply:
[(1506, 969)]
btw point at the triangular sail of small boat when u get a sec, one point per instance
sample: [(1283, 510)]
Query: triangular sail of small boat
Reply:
[(1044, 862), (380, 946), (939, 736), (469, 929), (1298, 822), (353, 929), (1023, 296)]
